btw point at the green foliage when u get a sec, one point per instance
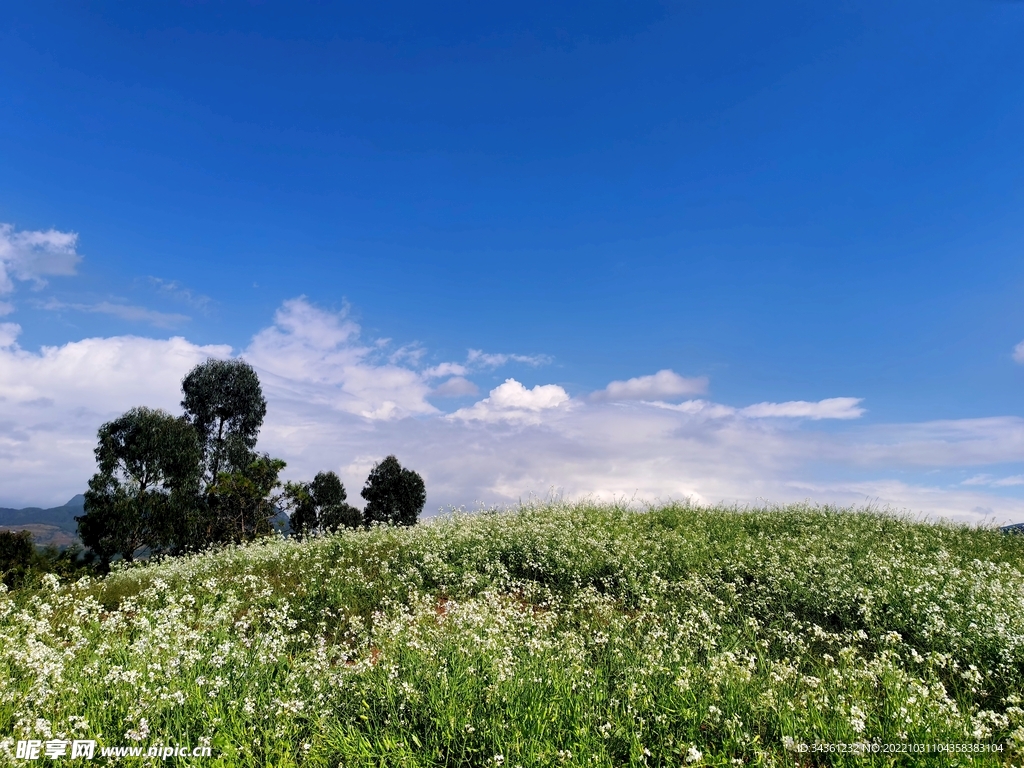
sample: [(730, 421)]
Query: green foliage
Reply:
[(242, 504), (334, 512), (224, 402), (556, 635), (394, 495), (16, 557), (22, 563), (303, 512), (320, 505), (148, 465)]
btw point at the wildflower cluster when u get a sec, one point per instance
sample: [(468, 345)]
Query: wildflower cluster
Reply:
[(550, 635)]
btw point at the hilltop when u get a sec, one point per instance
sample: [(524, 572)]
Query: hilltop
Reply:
[(550, 635)]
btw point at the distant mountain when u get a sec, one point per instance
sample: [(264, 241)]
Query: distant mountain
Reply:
[(57, 525), (54, 526)]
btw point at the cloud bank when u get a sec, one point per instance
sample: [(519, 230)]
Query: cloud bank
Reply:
[(337, 401)]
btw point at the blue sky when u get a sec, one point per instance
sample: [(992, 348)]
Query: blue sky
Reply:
[(791, 202)]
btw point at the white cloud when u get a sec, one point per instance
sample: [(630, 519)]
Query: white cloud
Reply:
[(947, 443), (830, 408), (457, 386), (410, 354), (983, 479), (445, 369), (513, 402), (637, 450), (513, 395), (917, 500), (477, 358), (704, 408), (1018, 352), (123, 311), (34, 255), (101, 375), (6, 308), (9, 333), (1002, 482), (318, 354), (659, 386), (336, 402), (54, 400)]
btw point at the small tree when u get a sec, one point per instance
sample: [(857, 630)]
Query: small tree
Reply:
[(17, 555), (334, 512), (320, 505), (148, 465), (241, 504), (21, 561), (394, 495), (297, 498)]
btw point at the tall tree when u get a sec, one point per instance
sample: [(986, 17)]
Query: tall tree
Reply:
[(148, 473), (224, 402), (394, 495)]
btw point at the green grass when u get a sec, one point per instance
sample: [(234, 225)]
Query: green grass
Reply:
[(562, 635)]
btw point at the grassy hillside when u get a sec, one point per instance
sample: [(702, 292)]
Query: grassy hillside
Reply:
[(555, 635)]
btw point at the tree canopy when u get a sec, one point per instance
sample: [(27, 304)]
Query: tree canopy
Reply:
[(394, 495), (334, 512), (320, 505), (242, 504), (148, 464), (224, 402)]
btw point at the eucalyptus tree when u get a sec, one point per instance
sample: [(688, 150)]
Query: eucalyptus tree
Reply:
[(242, 504), (320, 505), (148, 475), (394, 495), (224, 402), (334, 512)]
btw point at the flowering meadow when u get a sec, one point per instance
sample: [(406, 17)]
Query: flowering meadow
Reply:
[(552, 635)]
